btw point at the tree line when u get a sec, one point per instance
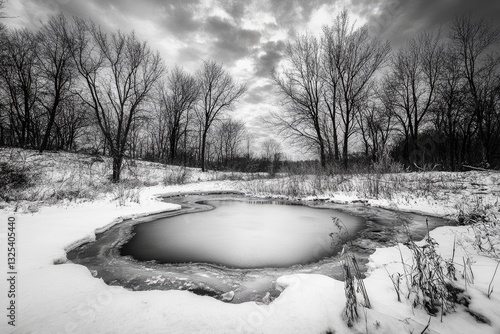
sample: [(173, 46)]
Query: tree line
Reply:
[(434, 100), (70, 85), (345, 95)]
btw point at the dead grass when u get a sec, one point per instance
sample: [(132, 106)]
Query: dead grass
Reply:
[(55, 176), (444, 187), (29, 179)]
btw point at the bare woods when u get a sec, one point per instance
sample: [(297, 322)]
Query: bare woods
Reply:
[(434, 100), (71, 85)]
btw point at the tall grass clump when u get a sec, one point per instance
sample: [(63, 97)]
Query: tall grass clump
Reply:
[(430, 279), (353, 283), (176, 175), (484, 223), (353, 279), (123, 194)]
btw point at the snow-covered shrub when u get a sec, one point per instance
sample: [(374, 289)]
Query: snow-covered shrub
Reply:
[(232, 176), (385, 164), (487, 238), (176, 175), (124, 195), (485, 224), (473, 211), (13, 176)]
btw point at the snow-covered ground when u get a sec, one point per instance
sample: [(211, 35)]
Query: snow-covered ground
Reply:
[(66, 298)]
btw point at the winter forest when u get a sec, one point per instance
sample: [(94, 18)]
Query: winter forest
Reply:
[(345, 97)]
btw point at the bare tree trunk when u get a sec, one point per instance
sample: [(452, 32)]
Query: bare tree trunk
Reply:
[(345, 157), (203, 146), (117, 167), (50, 124), (336, 144)]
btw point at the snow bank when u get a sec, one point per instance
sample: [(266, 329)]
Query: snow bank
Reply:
[(66, 298), (387, 261)]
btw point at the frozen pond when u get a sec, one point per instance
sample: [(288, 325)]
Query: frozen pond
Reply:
[(242, 246), (239, 234)]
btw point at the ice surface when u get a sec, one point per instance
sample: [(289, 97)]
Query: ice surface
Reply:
[(201, 270), (239, 234)]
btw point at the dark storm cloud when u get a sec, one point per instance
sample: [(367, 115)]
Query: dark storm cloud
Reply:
[(271, 54), (235, 8), (223, 39), (196, 33), (396, 19), (399, 20), (230, 41)]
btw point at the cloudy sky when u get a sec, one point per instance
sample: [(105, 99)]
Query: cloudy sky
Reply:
[(248, 36)]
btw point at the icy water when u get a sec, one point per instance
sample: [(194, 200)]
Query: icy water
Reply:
[(238, 234), (242, 246)]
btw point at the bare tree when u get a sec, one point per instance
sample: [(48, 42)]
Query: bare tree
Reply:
[(376, 126), (119, 72), (473, 38), (4, 118), (302, 89), (411, 87), (271, 152), (137, 136), (21, 85), (177, 96), (331, 94), (54, 53), (218, 93), (352, 59), (2, 26), (270, 147), (227, 139), (452, 115), (158, 131), (71, 123)]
